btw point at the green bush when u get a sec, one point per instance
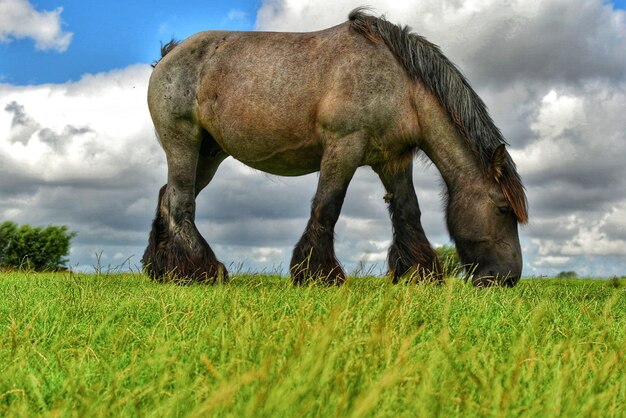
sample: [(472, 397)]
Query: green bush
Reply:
[(34, 248), (566, 275)]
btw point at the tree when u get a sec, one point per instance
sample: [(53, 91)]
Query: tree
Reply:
[(567, 275), (449, 260), (36, 248), (7, 232)]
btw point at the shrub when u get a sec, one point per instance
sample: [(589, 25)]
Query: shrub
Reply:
[(567, 275), (34, 248)]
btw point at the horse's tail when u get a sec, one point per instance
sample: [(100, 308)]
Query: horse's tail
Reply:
[(166, 49)]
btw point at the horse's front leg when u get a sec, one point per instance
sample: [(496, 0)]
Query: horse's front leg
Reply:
[(410, 256), (314, 255)]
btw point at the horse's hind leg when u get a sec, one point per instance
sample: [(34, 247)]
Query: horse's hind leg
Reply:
[(314, 255), (176, 249), (154, 257), (410, 254)]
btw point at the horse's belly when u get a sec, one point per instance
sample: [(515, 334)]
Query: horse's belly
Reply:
[(296, 161), (274, 136)]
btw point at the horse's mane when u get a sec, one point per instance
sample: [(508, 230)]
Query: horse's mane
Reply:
[(425, 62), (165, 49)]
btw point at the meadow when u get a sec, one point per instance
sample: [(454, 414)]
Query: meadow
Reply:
[(121, 345)]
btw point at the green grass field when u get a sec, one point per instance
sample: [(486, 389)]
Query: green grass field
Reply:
[(121, 345)]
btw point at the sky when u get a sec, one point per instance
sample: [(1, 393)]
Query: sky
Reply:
[(77, 146)]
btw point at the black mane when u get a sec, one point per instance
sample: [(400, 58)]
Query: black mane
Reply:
[(165, 49), (424, 62)]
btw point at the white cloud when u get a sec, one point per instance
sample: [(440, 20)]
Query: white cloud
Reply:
[(237, 19), (236, 15), (558, 113), (553, 261), (604, 236), (19, 19), (267, 255), (95, 121)]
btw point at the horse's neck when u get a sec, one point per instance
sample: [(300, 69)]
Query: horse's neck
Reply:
[(441, 141)]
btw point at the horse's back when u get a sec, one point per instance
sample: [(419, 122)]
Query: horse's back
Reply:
[(269, 98)]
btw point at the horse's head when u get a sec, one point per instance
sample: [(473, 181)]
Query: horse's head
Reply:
[(482, 219)]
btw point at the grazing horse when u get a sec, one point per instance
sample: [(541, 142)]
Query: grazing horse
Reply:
[(365, 92)]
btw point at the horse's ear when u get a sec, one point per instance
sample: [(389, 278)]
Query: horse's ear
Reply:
[(499, 161)]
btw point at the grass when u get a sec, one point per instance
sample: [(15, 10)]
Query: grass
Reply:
[(121, 345)]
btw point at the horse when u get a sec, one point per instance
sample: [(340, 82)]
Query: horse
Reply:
[(366, 92)]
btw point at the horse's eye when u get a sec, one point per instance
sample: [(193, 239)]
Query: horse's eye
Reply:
[(504, 210)]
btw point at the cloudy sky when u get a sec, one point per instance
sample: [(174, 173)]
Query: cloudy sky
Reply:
[(77, 147)]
